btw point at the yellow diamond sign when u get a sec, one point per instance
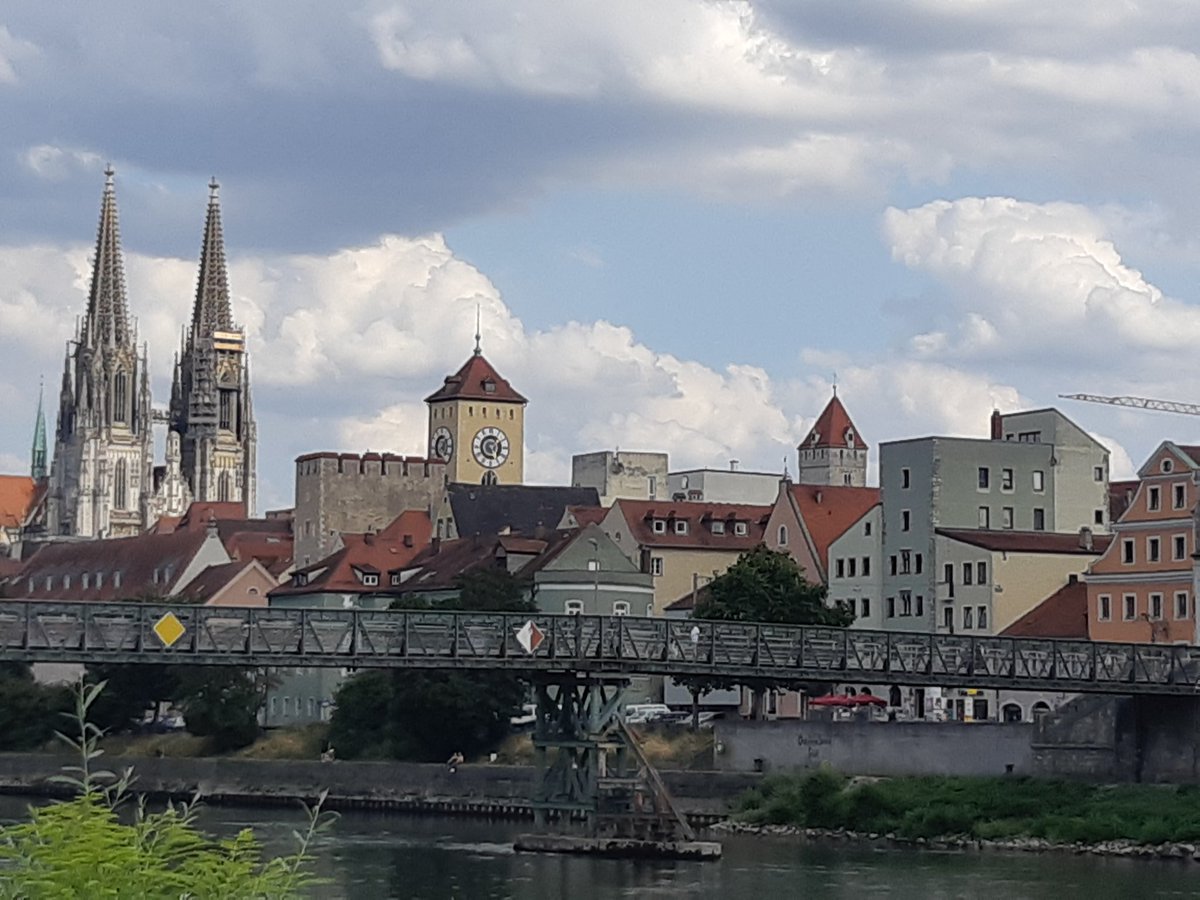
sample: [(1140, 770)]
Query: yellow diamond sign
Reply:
[(169, 629)]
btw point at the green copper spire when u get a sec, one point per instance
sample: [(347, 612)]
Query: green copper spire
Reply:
[(37, 463)]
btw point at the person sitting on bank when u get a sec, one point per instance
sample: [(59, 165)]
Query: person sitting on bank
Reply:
[(456, 759)]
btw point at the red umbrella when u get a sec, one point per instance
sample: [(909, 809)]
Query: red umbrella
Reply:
[(832, 700), (867, 700)]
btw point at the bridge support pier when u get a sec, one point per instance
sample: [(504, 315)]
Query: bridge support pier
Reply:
[(589, 765)]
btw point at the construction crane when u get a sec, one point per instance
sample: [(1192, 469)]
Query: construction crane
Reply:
[(1183, 409)]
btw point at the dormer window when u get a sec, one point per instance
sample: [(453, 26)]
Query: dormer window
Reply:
[(681, 526), (659, 526), (299, 580), (718, 527), (397, 579), (370, 579), (489, 386), (814, 439), (849, 437), (740, 529)]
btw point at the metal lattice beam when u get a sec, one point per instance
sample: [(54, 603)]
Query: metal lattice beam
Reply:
[(615, 646)]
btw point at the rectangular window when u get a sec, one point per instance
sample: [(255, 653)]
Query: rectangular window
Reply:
[(226, 404), (905, 520), (620, 607), (905, 562), (1029, 437), (948, 618), (1006, 517), (660, 526), (866, 566), (1153, 499), (891, 607), (985, 517), (1039, 519), (1156, 606), (905, 479), (1006, 479), (1104, 608), (1152, 549), (1181, 605), (573, 608), (852, 606), (851, 567), (593, 565), (1127, 551), (968, 573), (1098, 516), (968, 617), (1179, 546), (981, 573), (1039, 480), (681, 526), (656, 565), (981, 617), (718, 527), (866, 529), (920, 604), (948, 578), (892, 563), (1180, 496), (906, 606), (919, 563), (840, 565), (739, 529), (652, 486), (1130, 607), (866, 606), (985, 478), (1098, 473)]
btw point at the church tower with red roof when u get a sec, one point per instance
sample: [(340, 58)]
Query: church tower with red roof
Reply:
[(477, 425), (833, 453)]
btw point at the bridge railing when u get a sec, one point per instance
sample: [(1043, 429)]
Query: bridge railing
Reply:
[(736, 651)]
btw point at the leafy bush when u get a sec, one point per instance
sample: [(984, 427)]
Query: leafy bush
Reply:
[(82, 849)]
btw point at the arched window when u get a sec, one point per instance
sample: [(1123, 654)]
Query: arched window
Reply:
[(489, 477), (121, 485), (120, 400), (782, 535)]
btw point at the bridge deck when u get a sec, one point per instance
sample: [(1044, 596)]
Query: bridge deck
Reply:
[(615, 645)]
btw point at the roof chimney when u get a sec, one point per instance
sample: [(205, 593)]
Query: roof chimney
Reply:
[(435, 545), (997, 425), (1085, 538), (408, 540), (733, 465)]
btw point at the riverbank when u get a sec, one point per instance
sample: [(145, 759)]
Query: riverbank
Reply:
[(488, 791), (1011, 813)]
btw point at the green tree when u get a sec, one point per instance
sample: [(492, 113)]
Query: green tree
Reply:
[(428, 715), (29, 712), (131, 690), (766, 586), (221, 703)]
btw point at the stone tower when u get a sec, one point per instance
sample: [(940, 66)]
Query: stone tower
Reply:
[(477, 425), (100, 479), (210, 407), (38, 469), (833, 453)]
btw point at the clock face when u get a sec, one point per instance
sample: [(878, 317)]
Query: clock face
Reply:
[(442, 444), (490, 447)]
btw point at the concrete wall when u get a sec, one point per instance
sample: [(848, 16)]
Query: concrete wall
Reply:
[(861, 591), (874, 748), (621, 474), (383, 782), (725, 486), (348, 492)]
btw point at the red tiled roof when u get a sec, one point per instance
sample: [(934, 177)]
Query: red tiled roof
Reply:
[(1191, 451), (1120, 495), (1028, 541), (392, 548), (199, 514), (587, 515), (1061, 615), (149, 565), (209, 583), (828, 511), (833, 428), (439, 566), (476, 380), (699, 516), (17, 496)]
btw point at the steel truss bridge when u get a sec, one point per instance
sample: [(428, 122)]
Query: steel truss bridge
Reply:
[(605, 647)]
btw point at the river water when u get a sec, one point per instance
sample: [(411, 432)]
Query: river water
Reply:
[(366, 856)]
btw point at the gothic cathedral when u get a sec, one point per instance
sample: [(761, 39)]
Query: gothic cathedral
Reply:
[(103, 481)]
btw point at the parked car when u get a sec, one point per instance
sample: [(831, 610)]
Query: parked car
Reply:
[(526, 719), (641, 713)]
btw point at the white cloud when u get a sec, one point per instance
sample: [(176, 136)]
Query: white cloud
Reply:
[(53, 163)]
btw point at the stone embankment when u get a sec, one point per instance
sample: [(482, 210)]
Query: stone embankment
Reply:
[(474, 790), (1180, 851)]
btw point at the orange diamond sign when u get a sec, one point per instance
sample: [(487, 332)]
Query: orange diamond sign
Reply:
[(530, 637), (169, 629)]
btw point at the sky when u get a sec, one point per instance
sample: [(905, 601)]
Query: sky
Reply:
[(682, 222)]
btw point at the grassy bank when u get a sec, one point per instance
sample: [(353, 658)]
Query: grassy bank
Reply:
[(987, 808)]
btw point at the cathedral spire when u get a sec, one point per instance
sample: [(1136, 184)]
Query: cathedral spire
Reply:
[(478, 336), (37, 460), (212, 310), (107, 319)]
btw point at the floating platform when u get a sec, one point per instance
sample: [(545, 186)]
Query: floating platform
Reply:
[(617, 847)]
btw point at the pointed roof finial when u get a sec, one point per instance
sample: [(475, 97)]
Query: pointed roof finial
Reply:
[(213, 186), (109, 172), (38, 455), (478, 348), (835, 384)]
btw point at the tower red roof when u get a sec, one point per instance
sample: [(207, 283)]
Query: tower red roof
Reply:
[(833, 428), (476, 380)]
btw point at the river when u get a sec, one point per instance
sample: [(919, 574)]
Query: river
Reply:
[(367, 856)]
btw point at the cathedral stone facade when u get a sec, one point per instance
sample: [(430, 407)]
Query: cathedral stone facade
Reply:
[(103, 481)]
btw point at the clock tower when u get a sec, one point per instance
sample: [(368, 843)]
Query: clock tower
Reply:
[(477, 425)]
